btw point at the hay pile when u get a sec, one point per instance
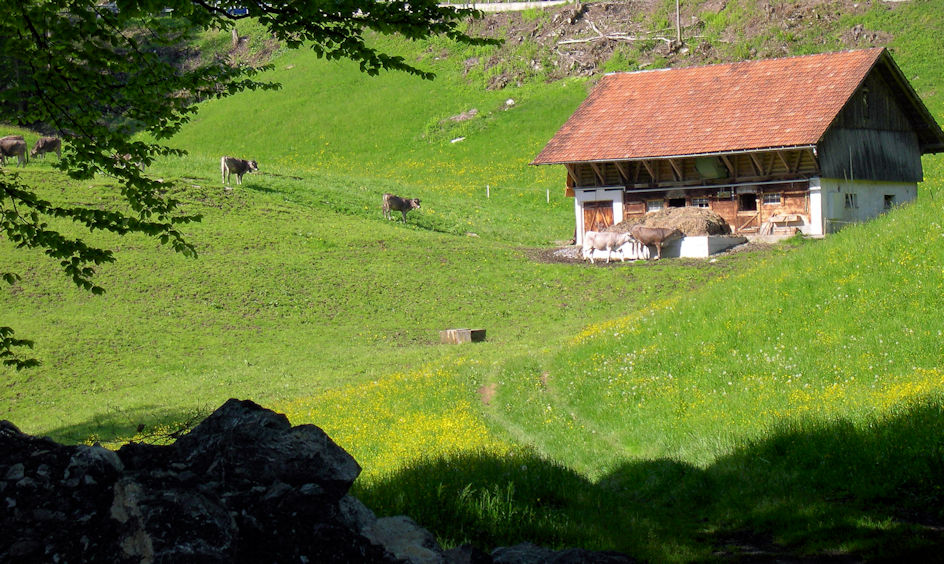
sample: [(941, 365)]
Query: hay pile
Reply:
[(690, 221)]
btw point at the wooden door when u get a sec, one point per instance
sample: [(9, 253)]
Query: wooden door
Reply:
[(597, 216)]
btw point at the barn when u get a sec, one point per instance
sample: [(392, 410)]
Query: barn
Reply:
[(799, 144)]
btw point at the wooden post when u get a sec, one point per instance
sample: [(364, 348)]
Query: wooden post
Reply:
[(678, 23)]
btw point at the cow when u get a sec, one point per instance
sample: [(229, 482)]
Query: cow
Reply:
[(604, 240), (402, 205), (13, 146), (239, 167), (657, 236), (46, 145)]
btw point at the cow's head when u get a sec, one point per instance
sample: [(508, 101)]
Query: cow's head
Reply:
[(414, 203), (253, 166)]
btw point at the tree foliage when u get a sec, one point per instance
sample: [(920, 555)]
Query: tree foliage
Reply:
[(94, 73)]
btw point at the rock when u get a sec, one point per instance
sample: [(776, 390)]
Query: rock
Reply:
[(464, 116), (244, 441), (406, 540), (244, 486), (467, 554), (527, 553)]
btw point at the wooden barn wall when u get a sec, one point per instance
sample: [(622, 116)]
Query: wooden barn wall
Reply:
[(794, 199), (871, 139)]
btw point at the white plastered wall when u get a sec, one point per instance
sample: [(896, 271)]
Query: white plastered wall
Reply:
[(829, 209), (614, 195)]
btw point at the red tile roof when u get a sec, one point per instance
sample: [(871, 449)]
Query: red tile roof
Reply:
[(754, 105)]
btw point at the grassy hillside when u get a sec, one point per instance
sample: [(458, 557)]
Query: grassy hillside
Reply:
[(780, 403)]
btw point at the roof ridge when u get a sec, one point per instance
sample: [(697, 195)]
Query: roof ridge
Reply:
[(878, 51)]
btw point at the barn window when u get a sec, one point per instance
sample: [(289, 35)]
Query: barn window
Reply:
[(889, 201), (653, 205), (677, 202), (747, 202), (772, 199), (700, 202), (852, 201)]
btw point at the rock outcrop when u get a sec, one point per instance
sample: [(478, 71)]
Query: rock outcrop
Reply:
[(242, 486)]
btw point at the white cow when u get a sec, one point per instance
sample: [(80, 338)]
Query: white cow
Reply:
[(604, 240)]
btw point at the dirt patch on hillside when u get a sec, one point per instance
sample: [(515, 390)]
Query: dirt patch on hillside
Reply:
[(588, 39), (690, 221)]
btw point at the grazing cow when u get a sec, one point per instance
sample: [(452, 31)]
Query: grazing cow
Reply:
[(604, 240), (239, 167), (657, 236), (13, 146), (402, 205), (8, 138), (46, 145)]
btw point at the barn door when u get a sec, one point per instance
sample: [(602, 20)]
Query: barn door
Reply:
[(597, 216)]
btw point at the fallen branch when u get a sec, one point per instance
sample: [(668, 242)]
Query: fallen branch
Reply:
[(615, 37)]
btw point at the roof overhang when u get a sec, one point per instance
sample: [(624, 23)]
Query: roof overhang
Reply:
[(684, 156)]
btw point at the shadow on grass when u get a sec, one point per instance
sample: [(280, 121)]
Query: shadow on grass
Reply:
[(257, 188), (144, 424), (807, 492)]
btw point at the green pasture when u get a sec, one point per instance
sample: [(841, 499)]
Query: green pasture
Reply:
[(788, 400)]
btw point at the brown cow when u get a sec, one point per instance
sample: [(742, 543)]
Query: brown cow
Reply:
[(657, 236), (230, 165), (46, 145), (13, 146), (402, 205)]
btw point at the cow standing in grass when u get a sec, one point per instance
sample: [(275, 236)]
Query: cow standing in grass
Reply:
[(46, 145), (13, 146), (656, 236), (239, 167), (402, 205), (604, 241)]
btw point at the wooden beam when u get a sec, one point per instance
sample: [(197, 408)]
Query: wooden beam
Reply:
[(783, 159), (599, 173), (624, 174), (758, 168), (636, 172), (732, 166), (652, 173), (678, 172), (799, 161), (571, 174)]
